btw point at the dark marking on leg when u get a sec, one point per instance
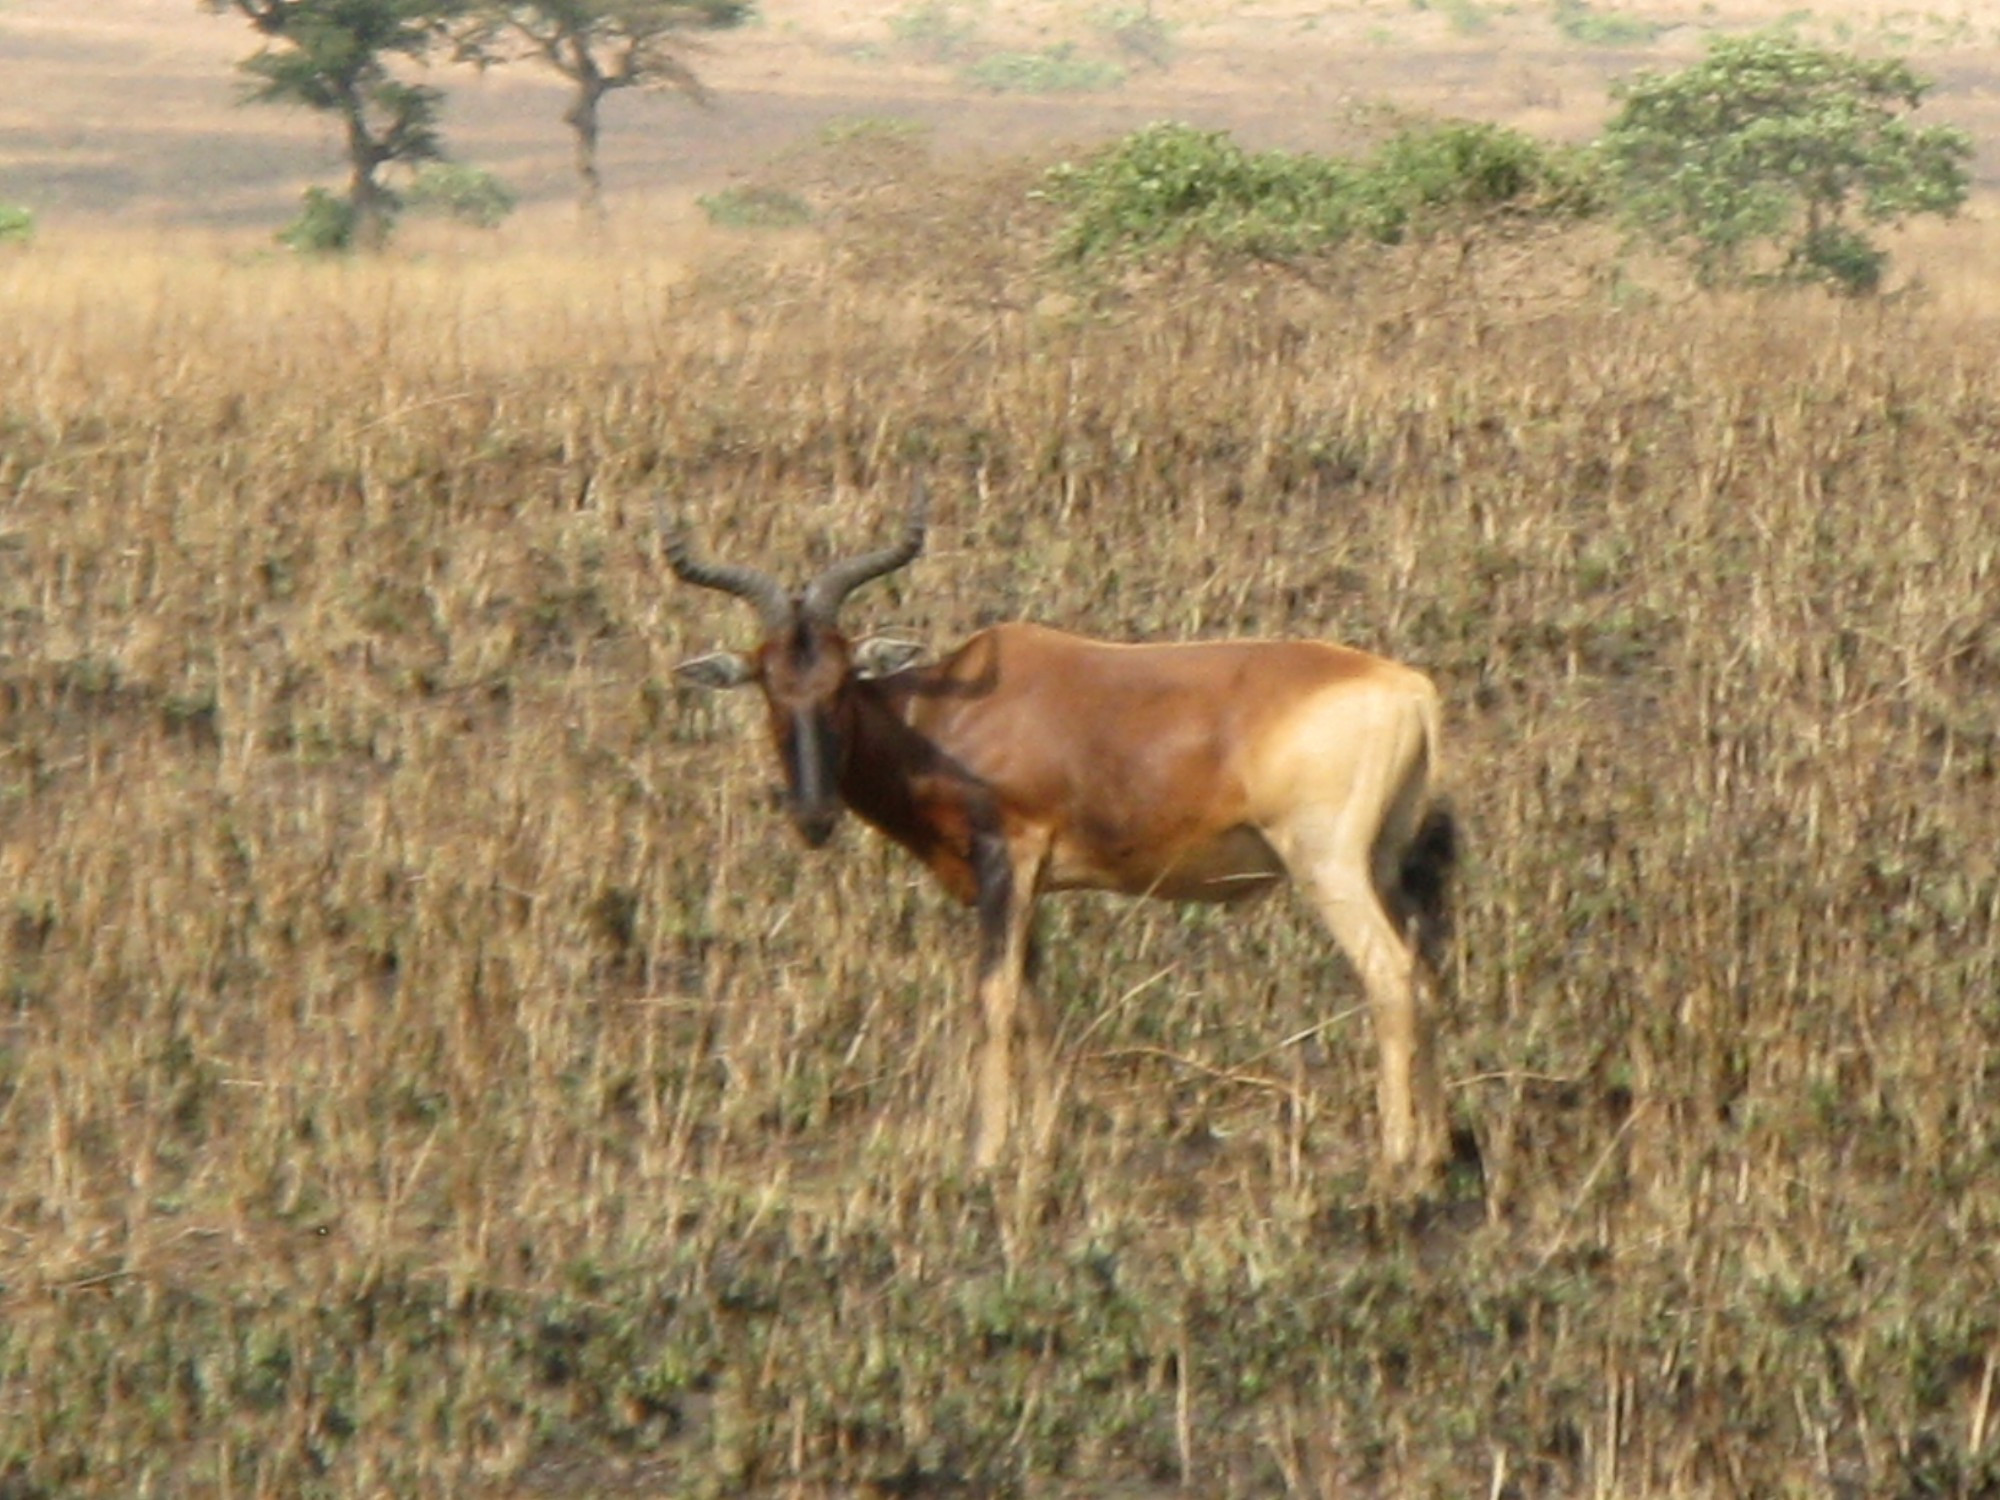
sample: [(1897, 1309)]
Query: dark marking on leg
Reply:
[(993, 868)]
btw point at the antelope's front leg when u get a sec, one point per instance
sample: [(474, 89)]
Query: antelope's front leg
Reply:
[(1006, 915)]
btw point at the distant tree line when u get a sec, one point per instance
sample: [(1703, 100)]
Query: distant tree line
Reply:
[(1770, 160), (339, 58)]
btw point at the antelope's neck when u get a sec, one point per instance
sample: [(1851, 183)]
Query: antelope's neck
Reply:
[(902, 783)]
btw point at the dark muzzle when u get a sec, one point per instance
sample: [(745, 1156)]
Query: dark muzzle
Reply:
[(816, 824), (813, 795)]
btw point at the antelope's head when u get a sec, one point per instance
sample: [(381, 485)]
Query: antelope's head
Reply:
[(804, 665)]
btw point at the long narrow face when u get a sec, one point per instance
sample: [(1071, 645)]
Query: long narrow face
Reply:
[(806, 668), (805, 675)]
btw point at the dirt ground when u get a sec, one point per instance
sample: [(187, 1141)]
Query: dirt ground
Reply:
[(126, 110)]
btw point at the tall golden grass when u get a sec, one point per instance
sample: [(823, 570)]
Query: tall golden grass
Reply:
[(428, 1067)]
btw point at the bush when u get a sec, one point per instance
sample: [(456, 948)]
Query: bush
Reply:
[(755, 208), (325, 226), (1173, 185), (1843, 259), (1431, 176), (471, 195), (17, 224)]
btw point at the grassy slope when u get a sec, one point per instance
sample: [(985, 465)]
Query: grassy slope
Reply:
[(427, 1067)]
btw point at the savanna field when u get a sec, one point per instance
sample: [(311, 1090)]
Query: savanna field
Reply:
[(430, 1066)]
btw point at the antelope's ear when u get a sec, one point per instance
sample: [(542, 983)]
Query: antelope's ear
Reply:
[(879, 655), (718, 669)]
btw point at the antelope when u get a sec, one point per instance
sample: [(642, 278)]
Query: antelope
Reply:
[(1029, 761)]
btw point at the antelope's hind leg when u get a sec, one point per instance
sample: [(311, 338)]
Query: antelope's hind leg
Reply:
[(1334, 868)]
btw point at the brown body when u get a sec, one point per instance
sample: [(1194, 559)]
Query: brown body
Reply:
[(1030, 761)]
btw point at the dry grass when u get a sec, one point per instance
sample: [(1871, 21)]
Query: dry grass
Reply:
[(427, 1067)]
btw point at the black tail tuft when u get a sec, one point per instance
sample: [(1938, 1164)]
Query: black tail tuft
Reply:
[(1424, 893)]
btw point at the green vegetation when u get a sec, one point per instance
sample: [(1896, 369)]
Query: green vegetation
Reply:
[(867, 131), (1059, 69), (337, 57), (600, 47), (1767, 158), (1583, 22), (755, 207), (471, 195), (1764, 162), (17, 224), (333, 57), (325, 225), (1429, 176), (1172, 187)]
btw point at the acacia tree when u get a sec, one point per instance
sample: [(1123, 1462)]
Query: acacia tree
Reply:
[(1772, 142), (333, 56), (602, 46)]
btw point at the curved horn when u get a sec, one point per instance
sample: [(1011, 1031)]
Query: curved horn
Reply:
[(825, 593), (760, 589)]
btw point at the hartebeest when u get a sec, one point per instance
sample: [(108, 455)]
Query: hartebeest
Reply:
[(1029, 760)]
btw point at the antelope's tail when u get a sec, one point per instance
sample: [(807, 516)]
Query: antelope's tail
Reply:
[(1430, 860)]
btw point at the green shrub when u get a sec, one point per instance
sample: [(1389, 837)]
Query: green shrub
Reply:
[(1846, 261), (1060, 69), (1172, 185), (17, 224), (755, 208), (325, 226), (1426, 176), (471, 195)]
